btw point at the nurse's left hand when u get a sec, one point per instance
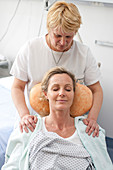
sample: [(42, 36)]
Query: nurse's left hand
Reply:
[(92, 127)]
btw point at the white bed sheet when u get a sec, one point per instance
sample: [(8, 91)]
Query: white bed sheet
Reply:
[(8, 114), (6, 82)]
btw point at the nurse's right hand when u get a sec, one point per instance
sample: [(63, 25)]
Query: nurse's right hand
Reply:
[(28, 122)]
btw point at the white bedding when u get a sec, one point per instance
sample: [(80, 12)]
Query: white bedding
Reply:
[(6, 82), (8, 114)]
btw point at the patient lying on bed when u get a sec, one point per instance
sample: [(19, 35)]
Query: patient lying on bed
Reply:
[(59, 141)]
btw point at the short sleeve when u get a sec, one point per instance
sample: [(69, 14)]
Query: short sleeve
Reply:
[(20, 65), (92, 71)]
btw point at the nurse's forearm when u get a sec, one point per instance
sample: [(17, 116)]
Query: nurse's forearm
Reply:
[(97, 101), (19, 101)]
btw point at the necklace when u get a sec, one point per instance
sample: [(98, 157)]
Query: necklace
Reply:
[(56, 62)]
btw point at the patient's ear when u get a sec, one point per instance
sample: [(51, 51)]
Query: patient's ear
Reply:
[(45, 93)]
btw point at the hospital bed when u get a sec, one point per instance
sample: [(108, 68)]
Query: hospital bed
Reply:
[(8, 114)]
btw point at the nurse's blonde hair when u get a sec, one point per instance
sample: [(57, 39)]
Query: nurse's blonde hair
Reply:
[(64, 16)]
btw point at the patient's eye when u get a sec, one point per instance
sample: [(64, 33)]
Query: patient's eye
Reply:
[(55, 89), (68, 89)]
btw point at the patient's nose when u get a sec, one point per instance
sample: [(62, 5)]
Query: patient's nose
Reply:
[(61, 93)]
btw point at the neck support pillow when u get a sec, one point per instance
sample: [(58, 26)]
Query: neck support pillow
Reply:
[(81, 104)]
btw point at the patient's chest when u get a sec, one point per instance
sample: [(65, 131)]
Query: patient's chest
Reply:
[(74, 138)]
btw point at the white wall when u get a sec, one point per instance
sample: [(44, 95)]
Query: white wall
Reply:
[(24, 26), (98, 25)]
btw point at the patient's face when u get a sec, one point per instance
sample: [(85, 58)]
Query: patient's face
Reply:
[(60, 92)]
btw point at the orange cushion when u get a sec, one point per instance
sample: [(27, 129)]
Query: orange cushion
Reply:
[(81, 104)]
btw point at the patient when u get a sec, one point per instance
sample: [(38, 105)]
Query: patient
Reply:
[(59, 141)]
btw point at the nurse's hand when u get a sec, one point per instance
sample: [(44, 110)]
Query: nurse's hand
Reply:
[(92, 127), (28, 122)]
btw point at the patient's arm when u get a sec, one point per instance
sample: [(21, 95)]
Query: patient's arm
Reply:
[(15, 148)]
